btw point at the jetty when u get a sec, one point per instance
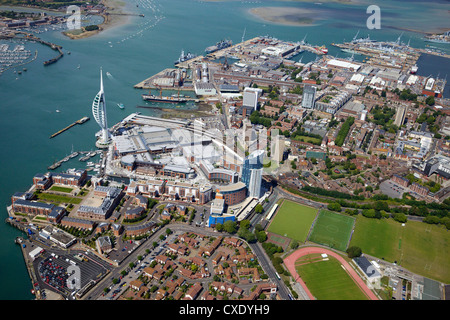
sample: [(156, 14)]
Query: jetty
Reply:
[(81, 121)]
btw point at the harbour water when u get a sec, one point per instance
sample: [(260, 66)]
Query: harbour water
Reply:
[(131, 53)]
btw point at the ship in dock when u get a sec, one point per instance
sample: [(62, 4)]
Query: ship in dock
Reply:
[(350, 51), (323, 49), (185, 57), (219, 46), (357, 40), (439, 38), (164, 99)]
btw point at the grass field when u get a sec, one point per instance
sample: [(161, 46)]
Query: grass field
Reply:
[(61, 189), (332, 229), (293, 220), (58, 199), (419, 247), (327, 280)]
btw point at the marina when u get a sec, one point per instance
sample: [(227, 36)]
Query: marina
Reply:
[(16, 57), (85, 155)]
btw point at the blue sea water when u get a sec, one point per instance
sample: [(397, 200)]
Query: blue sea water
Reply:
[(132, 53)]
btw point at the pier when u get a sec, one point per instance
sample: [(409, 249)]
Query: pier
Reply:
[(384, 54), (81, 121)]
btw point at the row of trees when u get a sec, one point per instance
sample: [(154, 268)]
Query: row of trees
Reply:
[(342, 134)]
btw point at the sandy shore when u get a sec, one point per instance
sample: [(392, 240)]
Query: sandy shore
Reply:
[(285, 15), (118, 18)]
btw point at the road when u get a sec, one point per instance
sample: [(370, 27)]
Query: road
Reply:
[(263, 259)]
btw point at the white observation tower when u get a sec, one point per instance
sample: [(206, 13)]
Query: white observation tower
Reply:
[(99, 112)]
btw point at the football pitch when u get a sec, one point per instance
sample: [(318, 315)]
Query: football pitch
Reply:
[(332, 229), (419, 247), (293, 220), (327, 279)]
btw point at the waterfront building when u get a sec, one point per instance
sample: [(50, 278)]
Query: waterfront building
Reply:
[(99, 113), (42, 181), (75, 178), (52, 212)]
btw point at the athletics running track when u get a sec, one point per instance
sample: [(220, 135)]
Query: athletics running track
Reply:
[(290, 264)]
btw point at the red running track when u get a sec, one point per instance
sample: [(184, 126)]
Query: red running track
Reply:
[(290, 264)]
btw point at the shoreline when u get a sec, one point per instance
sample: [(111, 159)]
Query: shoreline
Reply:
[(118, 18)]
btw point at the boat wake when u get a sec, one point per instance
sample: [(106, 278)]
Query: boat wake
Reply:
[(152, 15)]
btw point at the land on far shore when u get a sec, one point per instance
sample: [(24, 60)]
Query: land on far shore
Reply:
[(113, 16)]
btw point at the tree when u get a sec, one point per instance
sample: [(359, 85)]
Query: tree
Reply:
[(400, 217), (245, 224), (294, 244), (219, 227), (430, 100), (354, 252), (230, 226), (258, 227), (334, 207), (91, 27), (261, 236), (259, 208), (370, 213)]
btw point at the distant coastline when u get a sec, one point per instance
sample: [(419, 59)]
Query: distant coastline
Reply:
[(119, 18), (110, 21)]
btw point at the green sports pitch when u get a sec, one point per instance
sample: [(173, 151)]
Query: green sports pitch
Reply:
[(327, 280), (332, 229), (293, 220), (419, 247)]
